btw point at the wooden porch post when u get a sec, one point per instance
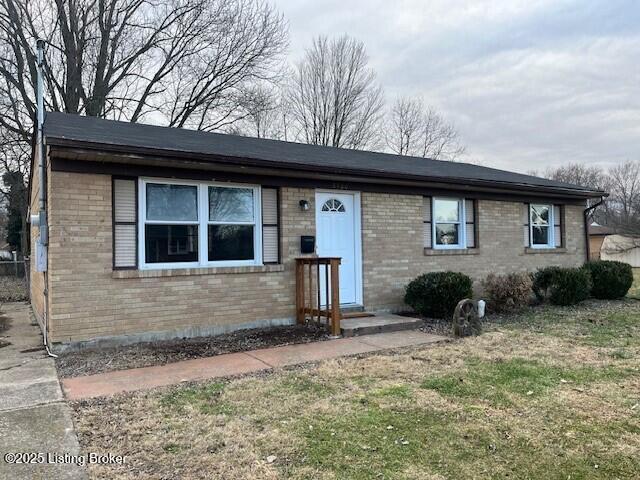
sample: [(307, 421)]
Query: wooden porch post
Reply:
[(335, 297), (299, 292)]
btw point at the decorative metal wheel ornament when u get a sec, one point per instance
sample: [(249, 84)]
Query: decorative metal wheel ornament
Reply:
[(466, 321)]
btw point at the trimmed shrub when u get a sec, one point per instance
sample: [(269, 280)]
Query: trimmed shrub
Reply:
[(610, 279), (541, 282), (436, 294), (569, 286), (507, 293)]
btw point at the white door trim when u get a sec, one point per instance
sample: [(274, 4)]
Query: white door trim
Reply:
[(357, 230)]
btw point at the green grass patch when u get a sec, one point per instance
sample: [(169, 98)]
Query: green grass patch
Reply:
[(497, 382), (634, 291), (395, 391), (205, 398), (371, 442), (304, 384), (615, 327)]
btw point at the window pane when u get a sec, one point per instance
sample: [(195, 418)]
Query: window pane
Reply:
[(447, 210), (447, 234), (230, 204), (230, 242), (540, 235), (172, 202), (540, 214), (171, 243)]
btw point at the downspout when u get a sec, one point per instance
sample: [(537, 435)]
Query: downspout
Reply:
[(43, 226), (587, 212)]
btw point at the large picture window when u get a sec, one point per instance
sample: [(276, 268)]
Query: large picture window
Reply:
[(541, 226), (199, 224), (448, 223)]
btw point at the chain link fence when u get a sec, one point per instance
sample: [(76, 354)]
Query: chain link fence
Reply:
[(14, 279)]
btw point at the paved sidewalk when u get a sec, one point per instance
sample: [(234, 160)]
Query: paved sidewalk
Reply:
[(237, 363), (33, 415)]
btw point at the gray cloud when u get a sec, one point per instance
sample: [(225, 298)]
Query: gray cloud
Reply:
[(528, 83)]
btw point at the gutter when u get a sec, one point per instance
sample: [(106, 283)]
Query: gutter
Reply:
[(587, 212)]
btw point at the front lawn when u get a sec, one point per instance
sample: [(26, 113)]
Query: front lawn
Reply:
[(634, 292), (554, 394)]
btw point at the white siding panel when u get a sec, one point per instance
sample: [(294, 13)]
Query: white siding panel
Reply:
[(270, 244), (471, 239), (468, 208), (124, 197), (125, 245), (427, 235), (269, 206), (557, 233), (426, 202)]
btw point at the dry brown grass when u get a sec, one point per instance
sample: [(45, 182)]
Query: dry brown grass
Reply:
[(524, 400)]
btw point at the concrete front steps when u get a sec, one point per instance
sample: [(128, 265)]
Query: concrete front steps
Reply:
[(354, 324)]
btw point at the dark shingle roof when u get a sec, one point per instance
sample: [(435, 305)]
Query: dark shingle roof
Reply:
[(67, 129)]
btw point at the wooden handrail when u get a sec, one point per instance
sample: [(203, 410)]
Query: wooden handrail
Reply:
[(308, 291)]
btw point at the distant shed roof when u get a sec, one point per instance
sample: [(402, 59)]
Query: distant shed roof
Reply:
[(74, 130)]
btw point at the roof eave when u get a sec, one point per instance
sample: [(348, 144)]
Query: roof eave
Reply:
[(180, 156)]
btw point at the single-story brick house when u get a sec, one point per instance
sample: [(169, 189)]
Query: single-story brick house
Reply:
[(157, 232)]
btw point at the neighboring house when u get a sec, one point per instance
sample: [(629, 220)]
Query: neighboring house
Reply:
[(158, 232), (597, 234), (622, 248)]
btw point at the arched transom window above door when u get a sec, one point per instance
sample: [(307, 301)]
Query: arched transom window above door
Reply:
[(333, 205)]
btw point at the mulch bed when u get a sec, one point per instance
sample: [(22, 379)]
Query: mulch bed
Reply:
[(92, 361)]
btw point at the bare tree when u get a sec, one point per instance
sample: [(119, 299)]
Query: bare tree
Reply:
[(623, 205), (184, 63), (413, 129), (185, 59), (621, 210), (334, 96), (578, 174), (266, 114)]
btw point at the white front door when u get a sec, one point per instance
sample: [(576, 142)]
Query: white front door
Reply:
[(338, 235)]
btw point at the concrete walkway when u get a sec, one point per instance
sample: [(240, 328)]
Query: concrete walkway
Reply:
[(237, 363), (33, 415)]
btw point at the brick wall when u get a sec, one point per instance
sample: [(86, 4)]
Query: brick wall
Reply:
[(88, 300), (393, 251)]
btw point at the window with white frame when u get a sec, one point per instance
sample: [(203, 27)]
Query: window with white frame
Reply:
[(188, 224), (541, 226), (448, 223)]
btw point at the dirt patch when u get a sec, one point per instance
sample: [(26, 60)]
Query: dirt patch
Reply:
[(13, 289), (432, 325), (5, 323), (88, 362)]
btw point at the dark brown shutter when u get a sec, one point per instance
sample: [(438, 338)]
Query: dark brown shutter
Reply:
[(526, 219), (270, 225), (426, 221), (124, 197), (471, 222)]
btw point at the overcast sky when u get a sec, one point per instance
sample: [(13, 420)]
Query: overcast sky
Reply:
[(528, 83)]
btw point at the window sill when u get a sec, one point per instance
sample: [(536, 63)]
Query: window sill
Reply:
[(450, 251), (545, 250), (180, 272)]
